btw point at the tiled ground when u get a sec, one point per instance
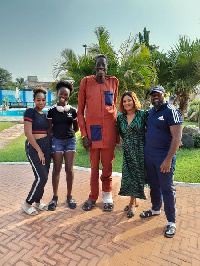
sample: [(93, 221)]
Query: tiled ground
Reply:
[(75, 237)]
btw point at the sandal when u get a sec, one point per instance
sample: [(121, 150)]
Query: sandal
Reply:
[(71, 202), (88, 205), (30, 211), (149, 213), (126, 208), (41, 207), (170, 231), (108, 207), (130, 214), (52, 205)]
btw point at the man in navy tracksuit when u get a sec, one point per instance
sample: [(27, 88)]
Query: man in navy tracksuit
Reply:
[(164, 131)]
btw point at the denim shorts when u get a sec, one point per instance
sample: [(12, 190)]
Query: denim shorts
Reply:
[(63, 145)]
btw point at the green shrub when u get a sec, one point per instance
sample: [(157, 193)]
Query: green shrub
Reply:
[(194, 107), (196, 138)]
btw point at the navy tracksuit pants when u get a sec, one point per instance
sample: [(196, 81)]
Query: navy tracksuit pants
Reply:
[(161, 184), (40, 171)]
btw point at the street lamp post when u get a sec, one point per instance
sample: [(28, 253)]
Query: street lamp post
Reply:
[(85, 45)]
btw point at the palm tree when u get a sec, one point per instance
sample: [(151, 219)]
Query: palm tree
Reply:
[(105, 47), (136, 71), (20, 82), (179, 70), (5, 78), (132, 65)]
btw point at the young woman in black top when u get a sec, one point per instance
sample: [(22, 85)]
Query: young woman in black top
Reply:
[(38, 150), (63, 122)]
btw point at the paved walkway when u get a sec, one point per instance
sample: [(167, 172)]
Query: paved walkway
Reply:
[(10, 134), (74, 237)]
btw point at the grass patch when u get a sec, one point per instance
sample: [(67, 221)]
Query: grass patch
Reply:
[(4, 125), (15, 151), (187, 165), (185, 123)]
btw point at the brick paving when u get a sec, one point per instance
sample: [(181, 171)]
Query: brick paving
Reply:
[(75, 237)]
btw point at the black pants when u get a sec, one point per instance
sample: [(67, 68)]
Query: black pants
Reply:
[(40, 171)]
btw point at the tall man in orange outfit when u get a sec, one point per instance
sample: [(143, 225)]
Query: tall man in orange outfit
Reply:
[(97, 121)]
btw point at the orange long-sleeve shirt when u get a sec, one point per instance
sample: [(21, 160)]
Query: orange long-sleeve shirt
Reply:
[(97, 110)]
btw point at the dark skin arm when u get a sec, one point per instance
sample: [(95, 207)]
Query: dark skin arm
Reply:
[(86, 143), (176, 132), (75, 126), (31, 139)]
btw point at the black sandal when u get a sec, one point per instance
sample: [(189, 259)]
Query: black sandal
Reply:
[(71, 202), (88, 205), (130, 214), (126, 208), (170, 231), (146, 214), (108, 207), (52, 205)]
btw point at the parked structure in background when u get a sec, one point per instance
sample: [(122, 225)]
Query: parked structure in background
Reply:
[(32, 82), (24, 98)]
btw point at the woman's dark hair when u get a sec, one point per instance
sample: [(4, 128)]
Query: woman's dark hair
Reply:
[(39, 89), (64, 84), (135, 100)]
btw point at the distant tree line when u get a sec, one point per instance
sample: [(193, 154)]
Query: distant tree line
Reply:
[(6, 82)]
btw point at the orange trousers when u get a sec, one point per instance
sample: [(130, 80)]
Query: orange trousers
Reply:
[(107, 156)]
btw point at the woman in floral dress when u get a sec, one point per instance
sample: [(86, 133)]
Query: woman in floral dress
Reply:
[(131, 124)]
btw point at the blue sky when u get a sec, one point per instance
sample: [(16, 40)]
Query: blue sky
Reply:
[(33, 33)]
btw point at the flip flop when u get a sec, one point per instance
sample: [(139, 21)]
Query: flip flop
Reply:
[(30, 211), (52, 205), (88, 205), (127, 208), (146, 214), (71, 202), (41, 207), (130, 214)]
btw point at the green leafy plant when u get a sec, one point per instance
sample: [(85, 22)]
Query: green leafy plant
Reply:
[(194, 107), (196, 138)]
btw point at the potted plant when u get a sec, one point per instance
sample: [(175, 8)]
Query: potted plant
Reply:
[(5, 104)]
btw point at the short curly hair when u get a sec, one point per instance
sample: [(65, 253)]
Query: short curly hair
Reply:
[(135, 100), (102, 56), (39, 89), (64, 84)]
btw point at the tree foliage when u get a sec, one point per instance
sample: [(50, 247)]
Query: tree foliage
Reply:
[(179, 70), (138, 65), (5, 79), (144, 38), (132, 64), (20, 83)]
